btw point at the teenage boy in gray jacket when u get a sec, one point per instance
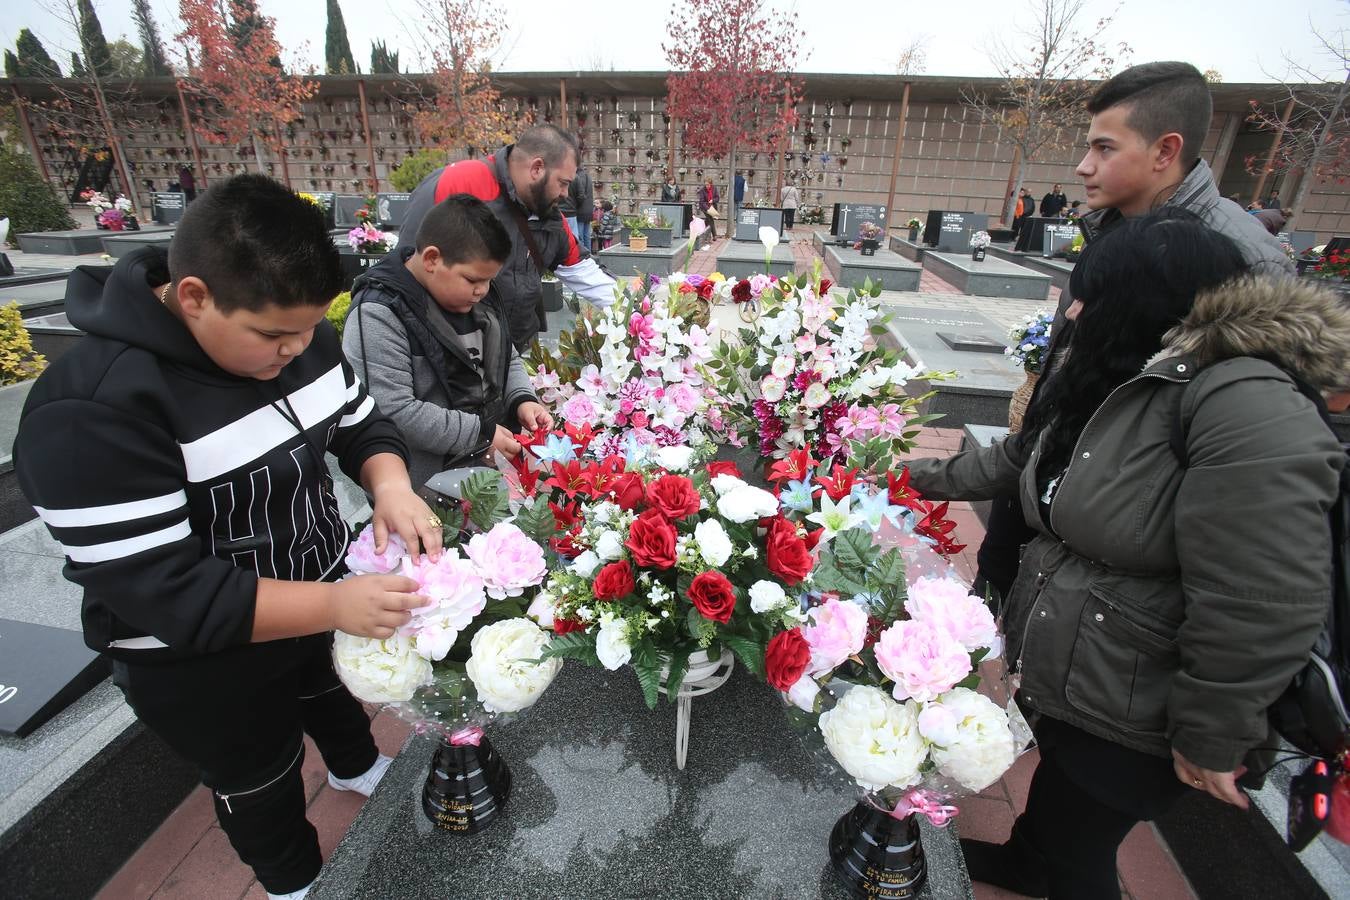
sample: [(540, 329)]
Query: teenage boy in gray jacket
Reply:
[(437, 359)]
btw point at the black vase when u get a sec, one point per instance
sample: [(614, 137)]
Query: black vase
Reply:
[(467, 787), (877, 855), (977, 254), (870, 246)]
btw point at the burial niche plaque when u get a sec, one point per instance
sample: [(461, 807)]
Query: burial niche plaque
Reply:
[(391, 209), (166, 207), (42, 671), (750, 219)]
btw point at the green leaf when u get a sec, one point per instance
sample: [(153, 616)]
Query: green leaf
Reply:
[(890, 568), (750, 652), (536, 520), (573, 645), (485, 492), (971, 681), (853, 549), (679, 667), (646, 662)]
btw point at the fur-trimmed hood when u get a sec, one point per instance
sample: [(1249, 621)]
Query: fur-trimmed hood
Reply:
[(1303, 327)]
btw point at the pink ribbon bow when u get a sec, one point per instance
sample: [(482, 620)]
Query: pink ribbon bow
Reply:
[(925, 803)]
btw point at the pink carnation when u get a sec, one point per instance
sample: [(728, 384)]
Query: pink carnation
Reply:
[(684, 397), (579, 410), (922, 659), (363, 560), (455, 590), (946, 604), (837, 631), (508, 560)]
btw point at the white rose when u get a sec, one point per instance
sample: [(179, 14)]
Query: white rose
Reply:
[(766, 596), (803, 693), (609, 546), (541, 609), (721, 484), (746, 503), (585, 564), (980, 747), (499, 669), (713, 544), (875, 739), (674, 459), (379, 671), (783, 366), (611, 642)]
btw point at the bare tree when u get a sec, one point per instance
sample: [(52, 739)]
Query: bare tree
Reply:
[(913, 59), (1047, 70), (1315, 139)]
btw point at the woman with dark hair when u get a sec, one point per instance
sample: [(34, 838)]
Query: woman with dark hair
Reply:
[(1159, 612)]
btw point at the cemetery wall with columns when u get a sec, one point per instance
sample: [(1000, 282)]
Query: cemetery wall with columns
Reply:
[(359, 128)]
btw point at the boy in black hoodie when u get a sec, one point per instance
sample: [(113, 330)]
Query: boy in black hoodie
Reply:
[(177, 454)]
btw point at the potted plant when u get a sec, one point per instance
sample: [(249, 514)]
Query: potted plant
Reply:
[(658, 230), (637, 235), (979, 242), (1075, 248), (869, 238), (913, 225)]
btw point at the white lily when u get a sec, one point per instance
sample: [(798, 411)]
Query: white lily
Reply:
[(834, 517)]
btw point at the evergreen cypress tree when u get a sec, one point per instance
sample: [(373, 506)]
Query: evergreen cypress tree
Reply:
[(77, 69), (11, 64), (155, 62), (33, 59), (337, 50), (92, 41), (244, 20), (383, 62)]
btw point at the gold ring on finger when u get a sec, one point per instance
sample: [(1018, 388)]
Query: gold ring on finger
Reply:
[(433, 522)]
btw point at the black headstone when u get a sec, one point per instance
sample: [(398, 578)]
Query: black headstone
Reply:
[(678, 214), (949, 231), (834, 219), (1301, 241), (1031, 239), (326, 199), (750, 219), (42, 671), (1057, 238), (166, 207), (1338, 244), (345, 207), (853, 215), (391, 209)]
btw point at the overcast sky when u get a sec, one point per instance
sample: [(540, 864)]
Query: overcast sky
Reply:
[(1245, 40)]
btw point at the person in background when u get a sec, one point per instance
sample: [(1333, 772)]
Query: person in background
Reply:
[(582, 197), (1053, 203), (708, 198), (670, 191), (1273, 218), (738, 195), (1074, 210), (187, 183), (609, 224), (790, 201)]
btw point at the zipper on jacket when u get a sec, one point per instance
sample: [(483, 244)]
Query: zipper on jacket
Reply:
[(1026, 627), (225, 798), (1064, 479)]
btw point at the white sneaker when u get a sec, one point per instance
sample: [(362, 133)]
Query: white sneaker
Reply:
[(363, 784), (293, 895)]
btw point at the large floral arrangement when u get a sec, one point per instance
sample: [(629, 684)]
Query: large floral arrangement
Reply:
[(114, 215), (633, 372), (1030, 341), (471, 653), (810, 374), (366, 238)]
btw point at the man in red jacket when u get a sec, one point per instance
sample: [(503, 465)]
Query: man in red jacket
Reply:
[(521, 183)]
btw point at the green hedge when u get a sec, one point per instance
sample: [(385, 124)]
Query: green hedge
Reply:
[(30, 202)]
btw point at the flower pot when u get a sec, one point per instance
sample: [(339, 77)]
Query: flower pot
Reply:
[(875, 854), (704, 676), (914, 234), (977, 254), (869, 246), (1017, 405), (467, 787), (637, 243)]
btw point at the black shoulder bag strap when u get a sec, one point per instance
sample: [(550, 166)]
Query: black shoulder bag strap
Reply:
[(523, 226)]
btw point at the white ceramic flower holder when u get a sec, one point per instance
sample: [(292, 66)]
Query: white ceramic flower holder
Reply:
[(704, 676)]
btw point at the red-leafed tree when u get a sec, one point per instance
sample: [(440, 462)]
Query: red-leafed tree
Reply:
[(732, 86), (460, 105), (238, 74)]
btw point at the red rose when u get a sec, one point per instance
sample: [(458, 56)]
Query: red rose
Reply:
[(825, 285), (674, 495), (712, 596), (651, 540), (785, 659), (614, 581), (705, 290), (563, 626), (723, 467), (627, 490), (787, 556), (741, 291)]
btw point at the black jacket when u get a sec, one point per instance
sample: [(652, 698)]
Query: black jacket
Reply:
[(172, 485)]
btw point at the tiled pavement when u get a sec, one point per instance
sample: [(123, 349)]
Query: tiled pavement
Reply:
[(189, 858)]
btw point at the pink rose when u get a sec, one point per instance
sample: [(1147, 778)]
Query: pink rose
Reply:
[(946, 604), (508, 560), (837, 631), (922, 659), (579, 410), (363, 560), (455, 591), (684, 397)]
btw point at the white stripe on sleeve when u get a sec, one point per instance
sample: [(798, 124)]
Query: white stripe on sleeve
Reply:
[(366, 408), (113, 513), (97, 553)]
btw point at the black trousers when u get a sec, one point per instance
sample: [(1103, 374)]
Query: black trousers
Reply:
[(1086, 795), (789, 214), (241, 716)]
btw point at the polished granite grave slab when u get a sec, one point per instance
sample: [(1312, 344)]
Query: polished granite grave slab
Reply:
[(742, 259), (850, 268), (598, 809), (990, 277), (622, 261)]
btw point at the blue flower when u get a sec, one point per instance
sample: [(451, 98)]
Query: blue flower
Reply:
[(873, 508), (558, 448), (798, 496)]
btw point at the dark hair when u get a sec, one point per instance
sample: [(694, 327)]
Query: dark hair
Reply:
[(1163, 97), (1135, 282), (550, 143), (464, 229), (606, 206), (254, 243)]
